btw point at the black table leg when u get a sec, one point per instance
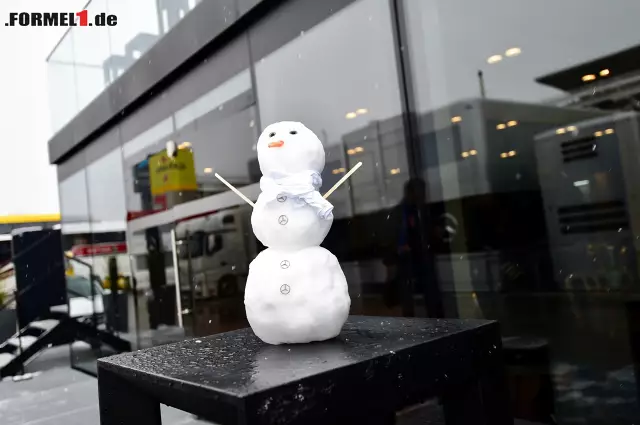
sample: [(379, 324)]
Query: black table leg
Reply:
[(462, 405), (366, 415), (483, 401), (123, 404), (386, 418), (495, 394)]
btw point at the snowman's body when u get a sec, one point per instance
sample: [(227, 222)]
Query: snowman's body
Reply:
[(296, 291), (296, 296)]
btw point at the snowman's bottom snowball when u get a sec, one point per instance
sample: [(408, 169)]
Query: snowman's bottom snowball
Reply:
[(296, 296)]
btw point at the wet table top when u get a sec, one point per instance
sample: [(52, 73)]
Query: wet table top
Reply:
[(398, 360)]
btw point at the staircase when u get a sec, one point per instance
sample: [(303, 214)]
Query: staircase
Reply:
[(40, 265), (25, 344)]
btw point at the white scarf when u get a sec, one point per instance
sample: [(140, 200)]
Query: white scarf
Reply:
[(302, 187)]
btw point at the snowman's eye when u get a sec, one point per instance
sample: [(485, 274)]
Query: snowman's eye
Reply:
[(293, 132), (272, 134)]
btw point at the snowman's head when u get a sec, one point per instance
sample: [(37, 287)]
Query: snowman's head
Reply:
[(289, 147)]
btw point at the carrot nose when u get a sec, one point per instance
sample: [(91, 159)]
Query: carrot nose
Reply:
[(277, 144)]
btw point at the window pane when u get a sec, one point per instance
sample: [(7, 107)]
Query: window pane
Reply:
[(108, 254), (137, 30), (61, 79), (74, 209), (529, 147), (106, 193), (91, 49), (177, 206), (339, 77), (76, 233)]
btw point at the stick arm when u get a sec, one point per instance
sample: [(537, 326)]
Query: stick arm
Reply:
[(234, 190), (342, 180)]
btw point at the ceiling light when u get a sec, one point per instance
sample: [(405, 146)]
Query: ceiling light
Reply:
[(514, 51), (208, 170), (501, 126), (581, 183), (605, 72), (473, 152), (588, 77), (503, 155), (362, 111), (571, 128), (561, 131), (395, 171), (609, 131), (358, 149), (512, 123), (465, 154), (456, 119), (351, 151), (512, 153), (494, 59), (598, 134), (351, 115)]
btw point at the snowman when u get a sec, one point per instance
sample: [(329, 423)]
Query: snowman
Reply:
[(296, 291)]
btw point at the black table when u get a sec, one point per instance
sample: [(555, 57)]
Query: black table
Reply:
[(376, 367)]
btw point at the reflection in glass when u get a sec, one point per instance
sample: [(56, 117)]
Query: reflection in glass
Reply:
[(214, 248), (348, 94), (136, 32), (214, 252), (89, 59), (154, 283), (209, 243), (507, 191), (528, 143), (61, 76), (107, 251), (91, 48), (80, 282)]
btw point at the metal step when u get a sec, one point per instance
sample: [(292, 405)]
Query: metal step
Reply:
[(45, 325), (5, 358), (26, 341)]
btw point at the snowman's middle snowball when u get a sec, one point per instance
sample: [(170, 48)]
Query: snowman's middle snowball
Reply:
[(287, 223)]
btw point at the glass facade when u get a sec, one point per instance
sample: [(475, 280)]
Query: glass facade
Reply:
[(88, 59), (499, 143)]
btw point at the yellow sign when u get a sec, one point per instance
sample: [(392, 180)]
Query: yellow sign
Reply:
[(29, 218), (172, 174)]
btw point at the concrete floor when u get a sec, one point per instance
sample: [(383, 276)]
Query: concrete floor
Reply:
[(63, 396), (59, 395)]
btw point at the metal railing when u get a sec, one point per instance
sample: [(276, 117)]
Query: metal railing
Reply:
[(16, 296)]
